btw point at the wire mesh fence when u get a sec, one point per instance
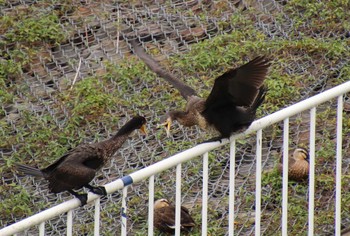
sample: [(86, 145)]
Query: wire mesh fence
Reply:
[(77, 80)]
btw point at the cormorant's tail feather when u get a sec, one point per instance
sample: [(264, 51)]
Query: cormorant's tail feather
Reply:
[(28, 170), (259, 98), (185, 90)]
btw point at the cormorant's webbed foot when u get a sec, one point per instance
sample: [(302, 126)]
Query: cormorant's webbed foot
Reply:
[(82, 197), (100, 190), (215, 139)]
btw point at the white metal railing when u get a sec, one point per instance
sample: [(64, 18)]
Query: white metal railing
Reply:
[(203, 149)]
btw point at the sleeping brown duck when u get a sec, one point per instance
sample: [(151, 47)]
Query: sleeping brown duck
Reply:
[(164, 217), (231, 104), (78, 167)]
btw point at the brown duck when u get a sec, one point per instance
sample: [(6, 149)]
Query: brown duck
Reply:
[(345, 232), (231, 104), (164, 217), (78, 167), (298, 166)]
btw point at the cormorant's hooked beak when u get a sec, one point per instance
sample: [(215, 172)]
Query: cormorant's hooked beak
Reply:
[(167, 125), (143, 130)]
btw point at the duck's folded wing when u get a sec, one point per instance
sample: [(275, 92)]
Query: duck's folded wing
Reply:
[(186, 219), (168, 214)]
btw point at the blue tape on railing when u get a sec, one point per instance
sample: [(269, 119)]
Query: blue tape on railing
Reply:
[(127, 180), (123, 213)]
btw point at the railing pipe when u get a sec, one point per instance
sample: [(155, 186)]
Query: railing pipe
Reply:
[(42, 229), (124, 211), (178, 201), (312, 171), (299, 107), (70, 223), (231, 203), (258, 183), (178, 158), (150, 205), (285, 176), (338, 166), (205, 194), (97, 217)]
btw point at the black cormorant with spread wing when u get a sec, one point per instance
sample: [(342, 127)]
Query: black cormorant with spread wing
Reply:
[(231, 104)]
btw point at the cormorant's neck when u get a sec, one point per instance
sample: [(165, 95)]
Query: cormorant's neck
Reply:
[(114, 143), (122, 135), (127, 129)]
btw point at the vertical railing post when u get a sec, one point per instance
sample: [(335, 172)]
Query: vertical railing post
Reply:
[(97, 218), (231, 203), (124, 210), (258, 182), (69, 222), (42, 229), (205, 194), (312, 170), (178, 200), (338, 165), (285, 176), (150, 205)]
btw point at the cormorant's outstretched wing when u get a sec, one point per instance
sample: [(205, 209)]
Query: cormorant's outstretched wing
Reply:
[(184, 89), (239, 86)]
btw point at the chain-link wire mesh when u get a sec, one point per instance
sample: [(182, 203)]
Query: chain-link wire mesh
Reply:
[(76, 79)]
